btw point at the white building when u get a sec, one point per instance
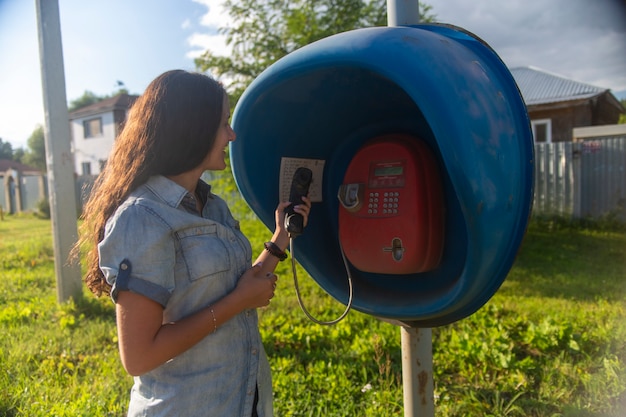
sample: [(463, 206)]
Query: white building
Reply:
[(94, 129)]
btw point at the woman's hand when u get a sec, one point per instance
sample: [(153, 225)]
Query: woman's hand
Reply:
[(279, 216), (256, 288), (145, 342), (281, 236)]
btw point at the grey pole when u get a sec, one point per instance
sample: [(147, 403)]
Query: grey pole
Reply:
[(417, 372), (417, 349), (59, 160), (402, 12)]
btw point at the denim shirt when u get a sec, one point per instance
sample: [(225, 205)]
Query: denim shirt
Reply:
[(154, 247)]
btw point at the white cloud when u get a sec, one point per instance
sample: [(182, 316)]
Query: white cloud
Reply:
[(210, 39), (578, 39), (201, 42), (216, 16)]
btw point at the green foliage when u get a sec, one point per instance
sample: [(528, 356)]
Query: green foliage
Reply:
[(6, 150), (88, 98), (35, 156), (55, 360), (265, 31), (43, 208), (18, 154), (585, 263), (85, 100), (549, 343), (610, 222)]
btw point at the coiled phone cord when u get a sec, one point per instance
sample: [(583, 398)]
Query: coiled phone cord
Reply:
[(295, 282)]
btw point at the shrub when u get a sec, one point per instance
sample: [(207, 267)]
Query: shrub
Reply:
[(43, 208)]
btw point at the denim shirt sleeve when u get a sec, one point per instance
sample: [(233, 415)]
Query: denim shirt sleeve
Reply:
[(138, 254)]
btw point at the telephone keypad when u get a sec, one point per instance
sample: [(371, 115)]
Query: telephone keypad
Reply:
[(387, 205)]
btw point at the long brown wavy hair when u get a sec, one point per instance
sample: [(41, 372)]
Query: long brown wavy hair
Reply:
[(169, 130)]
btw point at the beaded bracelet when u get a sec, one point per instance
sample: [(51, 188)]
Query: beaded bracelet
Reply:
[(274, 250)]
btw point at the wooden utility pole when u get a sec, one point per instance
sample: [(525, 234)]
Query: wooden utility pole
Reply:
[(59, 160)]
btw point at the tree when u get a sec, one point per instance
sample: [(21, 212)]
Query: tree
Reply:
[(6, 150), (18, 154), (266, 30), (89, 97), (86, 99), (622, 117), (35, 156)]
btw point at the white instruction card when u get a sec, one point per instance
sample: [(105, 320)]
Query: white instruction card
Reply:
[(288, 167)]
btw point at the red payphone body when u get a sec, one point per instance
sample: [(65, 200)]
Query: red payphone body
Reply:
[(391, 216)]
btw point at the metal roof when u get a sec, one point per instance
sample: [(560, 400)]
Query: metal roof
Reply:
[(541, 87), (121, 101), (6, 164)]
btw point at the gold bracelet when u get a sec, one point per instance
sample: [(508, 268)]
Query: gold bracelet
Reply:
[(214, 320)]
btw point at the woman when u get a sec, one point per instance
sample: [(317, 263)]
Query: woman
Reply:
[(174, 261)]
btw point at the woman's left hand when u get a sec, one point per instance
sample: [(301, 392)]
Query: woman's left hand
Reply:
[(302, 209)]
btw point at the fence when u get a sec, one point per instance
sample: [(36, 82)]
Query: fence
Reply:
[(21, 192), (584, 178)]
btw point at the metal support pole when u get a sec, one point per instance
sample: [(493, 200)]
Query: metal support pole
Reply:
[(417, 372), (59, 160), (417, 350), (403, 12)]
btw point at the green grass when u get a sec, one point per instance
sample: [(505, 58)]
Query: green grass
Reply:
[(551, 342)]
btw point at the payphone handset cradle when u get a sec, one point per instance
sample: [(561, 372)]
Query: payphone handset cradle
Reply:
[(391, 216)]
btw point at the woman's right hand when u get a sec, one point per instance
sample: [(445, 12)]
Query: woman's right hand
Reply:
[(256, 288), (145, 342)]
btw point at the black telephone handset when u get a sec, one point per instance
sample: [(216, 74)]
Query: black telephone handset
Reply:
[(294, 222)]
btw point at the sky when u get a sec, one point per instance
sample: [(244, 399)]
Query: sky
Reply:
[(133, 41)]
